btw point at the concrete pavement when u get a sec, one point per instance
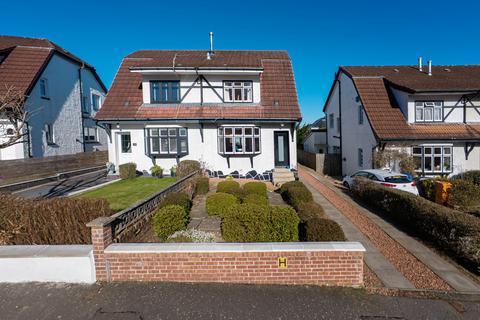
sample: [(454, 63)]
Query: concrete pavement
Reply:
[(128, 301)]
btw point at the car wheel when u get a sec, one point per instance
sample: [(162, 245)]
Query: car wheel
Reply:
[(346, 185)]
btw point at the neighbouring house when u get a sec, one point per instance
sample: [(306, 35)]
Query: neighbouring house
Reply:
[(316, 140), (62, 94), (234, 111), (430, 113)]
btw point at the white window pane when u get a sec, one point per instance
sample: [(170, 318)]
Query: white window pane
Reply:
[(155, 145), (428, 114), (248, 144), (238, 144), (419, 114), (220, 145), (418, 163), (164, 145), (238, 131), (257, 131), (437, 150), (437, 163), (172, 132), (163, 132), (447, 164), (183, 145), (173, 144), (229, 145), (238, 95), (182, 132), (428, 150), (248, 131), (428, 163), (257, 144), (438, 114), (417, 150), (228, 131), (447, 150), (154, 132), (220, 131)]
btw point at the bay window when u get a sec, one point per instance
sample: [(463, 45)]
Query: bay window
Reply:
[(433, 159), (167, 141), (237, 91), (238, 140), (428, 111)]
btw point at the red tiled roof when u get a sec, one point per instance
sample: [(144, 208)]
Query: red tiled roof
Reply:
[(125, 100), (26, 58), (388, 122)]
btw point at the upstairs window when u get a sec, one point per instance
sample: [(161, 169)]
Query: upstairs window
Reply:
[(360, 158), (338, 124), (90, 134), (49, 134), (164, 91), (168, 141), (95, 102), (331, 120), (238, 140), (360, 115), (237, 91), (428, 111), (43, 88)]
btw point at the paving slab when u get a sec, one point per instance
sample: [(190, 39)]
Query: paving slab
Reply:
[(385, 271)]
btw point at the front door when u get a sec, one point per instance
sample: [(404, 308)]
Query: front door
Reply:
[(281, 148)]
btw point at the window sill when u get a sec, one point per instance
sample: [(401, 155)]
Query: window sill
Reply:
[(239, 154), (45, 98), (92, 141)]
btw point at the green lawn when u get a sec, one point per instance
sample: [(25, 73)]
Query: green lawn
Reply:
[(124, 193)]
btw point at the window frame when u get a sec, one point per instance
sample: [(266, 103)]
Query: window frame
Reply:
[(99, 105), (122, 134), (331, 121), (86, 137), (360, 158), (49, 134), (255, 137), (242, 89), (360, 115), (43, 95), (180, 134), (432, 155), (169, 91), (433, 108)]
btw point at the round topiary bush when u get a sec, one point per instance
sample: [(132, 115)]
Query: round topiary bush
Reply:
[(202, 185), (186, 167), (231, 187), (177, 198), (284, 224), (247, 223), (219, 203), (291, 184), (169, 219), (294, 196), (318, 229), (256, 199), (128, 170), (258, 188), (309, 210)]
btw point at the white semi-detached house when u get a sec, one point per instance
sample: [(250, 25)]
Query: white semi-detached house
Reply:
[(62, 94), (234, 111), (430, 112)]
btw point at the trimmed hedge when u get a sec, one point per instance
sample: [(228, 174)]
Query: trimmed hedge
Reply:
[(49, 221), (453, 231), (464, 196), (291, 184), (247, 223), (128, 170), (169, 219), (253, 223), (202, 185), (295, 196), (231, 187), (473, 176), (219, 203), (319, 229), (284, 224), (258, 188), (256, 199), (186, 167), (177, 198), (309, 210)]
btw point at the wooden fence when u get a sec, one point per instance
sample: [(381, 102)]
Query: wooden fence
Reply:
[(330, 164), (12, 171)]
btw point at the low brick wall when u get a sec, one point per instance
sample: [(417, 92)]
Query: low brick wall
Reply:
[(316, 263)]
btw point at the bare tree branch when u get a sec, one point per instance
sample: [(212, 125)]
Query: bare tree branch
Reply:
[(13, 117)]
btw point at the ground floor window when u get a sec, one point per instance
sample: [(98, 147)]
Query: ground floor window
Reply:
[(238, 140), (169, 141), (90, 134), (433, 159), (360, 157), (126, 142)]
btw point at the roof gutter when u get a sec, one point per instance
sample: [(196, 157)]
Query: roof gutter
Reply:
[(211, 120)]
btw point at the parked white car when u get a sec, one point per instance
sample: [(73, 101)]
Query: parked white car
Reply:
[(385, 178)]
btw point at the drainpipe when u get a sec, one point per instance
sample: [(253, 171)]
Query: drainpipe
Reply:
[(82, 133), (29, 149), (340, 115)]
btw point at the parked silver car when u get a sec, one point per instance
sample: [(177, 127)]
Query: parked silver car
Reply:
[(385, 178)]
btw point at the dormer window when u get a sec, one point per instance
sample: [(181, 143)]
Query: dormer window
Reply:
[(164, 91), (428, 111), (237, 91)]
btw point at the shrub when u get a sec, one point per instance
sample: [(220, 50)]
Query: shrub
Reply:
[(156, 171), (202, 185), (231, 187), (294, 196), (168, 220), (284, 224), (186, 167), (453, 231), (464, 195), (473, 176), (247, 223), (256, 199), (219, 203), (290, 184), (177, 198), (259, 188), (309, 210), (50, 221), (319, 229), (128, 170)]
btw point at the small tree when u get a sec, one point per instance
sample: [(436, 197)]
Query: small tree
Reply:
[(302, 132), (12, 117)]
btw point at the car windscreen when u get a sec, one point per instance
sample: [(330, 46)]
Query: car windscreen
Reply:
[(397, 179)]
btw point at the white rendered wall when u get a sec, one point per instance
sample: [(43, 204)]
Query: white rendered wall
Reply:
[(205, 152), (68, 263), (314, 141), (333, 134), (15, 151)]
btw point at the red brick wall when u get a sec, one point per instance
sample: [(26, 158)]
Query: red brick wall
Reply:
[(338, 268)]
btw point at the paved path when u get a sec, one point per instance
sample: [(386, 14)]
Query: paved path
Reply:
[(200, 220), (65, 186), (442, 268), (135, 301)]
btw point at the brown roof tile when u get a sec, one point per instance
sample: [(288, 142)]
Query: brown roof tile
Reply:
[(278, 92)]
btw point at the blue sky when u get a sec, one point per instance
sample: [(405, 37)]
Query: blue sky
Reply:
[(319, 37)]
